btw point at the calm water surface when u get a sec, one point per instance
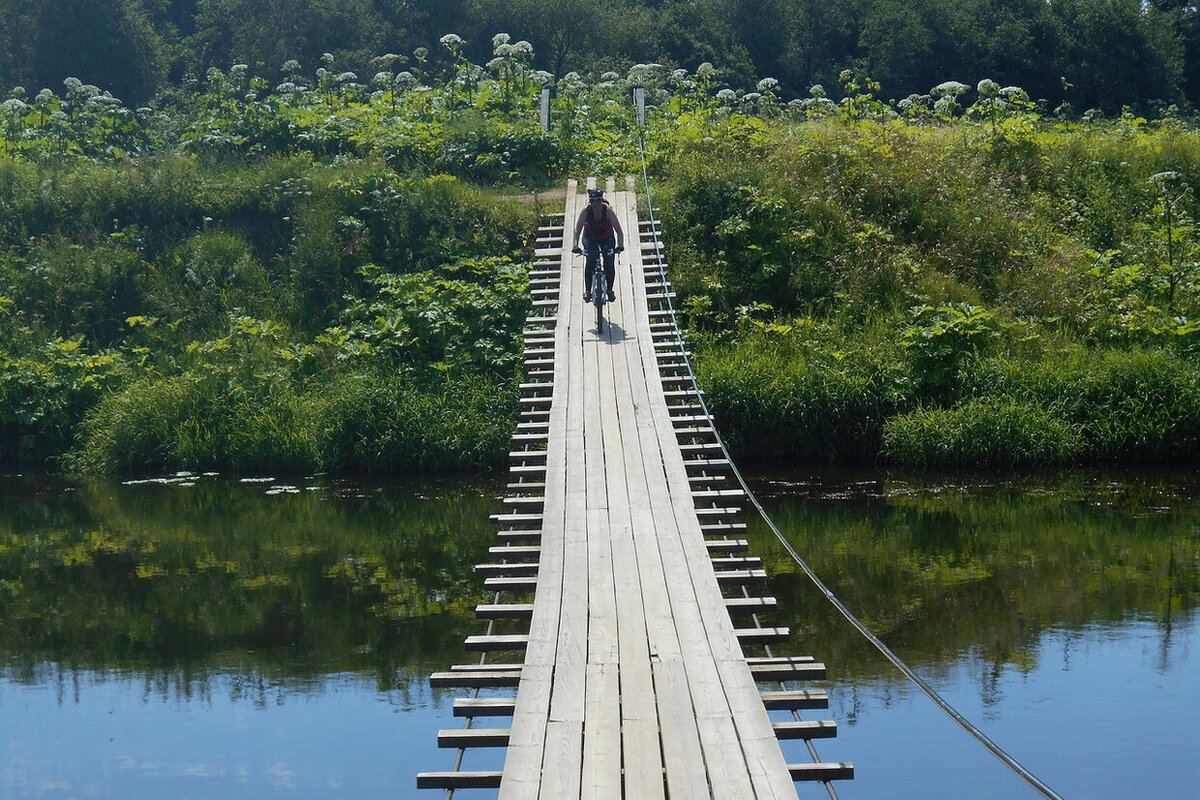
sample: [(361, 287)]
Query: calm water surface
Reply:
[(198, 637)]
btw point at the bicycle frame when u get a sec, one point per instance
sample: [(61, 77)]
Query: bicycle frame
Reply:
[(598, 291)]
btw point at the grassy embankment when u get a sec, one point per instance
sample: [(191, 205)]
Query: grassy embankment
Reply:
[(312, 277), (970, 294)]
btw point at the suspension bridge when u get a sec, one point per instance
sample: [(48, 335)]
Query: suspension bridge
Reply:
[(624, 601)]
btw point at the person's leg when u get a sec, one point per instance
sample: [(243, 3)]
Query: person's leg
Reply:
[(610, 266), (589, 262)]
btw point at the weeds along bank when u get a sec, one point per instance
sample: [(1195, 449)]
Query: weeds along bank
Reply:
[(322, 273), (995, 291), (281, 314)]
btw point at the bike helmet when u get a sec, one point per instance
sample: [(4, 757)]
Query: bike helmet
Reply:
[(595, 194)]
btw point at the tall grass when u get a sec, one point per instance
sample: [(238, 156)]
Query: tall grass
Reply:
[(793, 395), (992, 432), (358, 423)]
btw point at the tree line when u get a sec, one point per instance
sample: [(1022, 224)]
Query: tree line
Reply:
[(1103, 54)]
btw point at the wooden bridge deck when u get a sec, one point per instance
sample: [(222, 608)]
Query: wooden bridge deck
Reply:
[(633, 683)]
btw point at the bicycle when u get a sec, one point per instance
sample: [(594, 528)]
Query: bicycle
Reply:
[(598, 292)]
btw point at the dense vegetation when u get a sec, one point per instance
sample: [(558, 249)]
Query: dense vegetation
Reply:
[(309, 275), (1088, 53)]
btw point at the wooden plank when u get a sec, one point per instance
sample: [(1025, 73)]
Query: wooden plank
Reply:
[(504, 611), (523, 759), (751, 726), (474, 680), (824, 771), (690, 736), (485, 707), (806, 729), (473, 737), (458, 780)]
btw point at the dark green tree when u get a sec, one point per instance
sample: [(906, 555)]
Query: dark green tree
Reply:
[(266, 33), (112, 45), (1116, 53)]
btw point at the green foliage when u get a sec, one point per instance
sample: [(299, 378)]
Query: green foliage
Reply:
[(940, 340), (1128, 405), (258, 243), (45, 390), (468, 316), (792, 392), (399, 422), (991, 432)]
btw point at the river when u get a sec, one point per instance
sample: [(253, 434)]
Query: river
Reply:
[(195, 636)]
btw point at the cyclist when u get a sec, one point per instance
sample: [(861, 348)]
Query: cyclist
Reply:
[(601, 234)]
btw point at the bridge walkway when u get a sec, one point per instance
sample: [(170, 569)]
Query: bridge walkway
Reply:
[(633, 682)]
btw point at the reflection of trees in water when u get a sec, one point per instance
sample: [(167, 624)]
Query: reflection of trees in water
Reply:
[(980, 568), (285, 584)]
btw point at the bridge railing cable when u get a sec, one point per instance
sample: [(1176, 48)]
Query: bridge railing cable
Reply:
[(995, 749)]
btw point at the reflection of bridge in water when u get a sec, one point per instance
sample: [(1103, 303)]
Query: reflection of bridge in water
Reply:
[(634, 683)]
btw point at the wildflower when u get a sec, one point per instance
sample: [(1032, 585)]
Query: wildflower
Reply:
[(388, 60), (817, 90), (291, 65), (523, 48), (18, 92), (381, 79), (726, 96), (950, 89), (451, 41), (44, 97), (499, 39), (14, 107), (1014, 94), (287, 87), (945, 106), (610, 76), (421, 54), (767, 85), (346, 77), (706, 70), (405, 80), (541, 77), (988, 88), (327, 58), (238, 70)]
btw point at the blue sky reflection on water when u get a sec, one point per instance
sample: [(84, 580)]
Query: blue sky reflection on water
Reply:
[(1106, 712), (95, 736), (1063, 659)]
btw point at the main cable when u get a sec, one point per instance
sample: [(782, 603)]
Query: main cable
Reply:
[(941, 702)]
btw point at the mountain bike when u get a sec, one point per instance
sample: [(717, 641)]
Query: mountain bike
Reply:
[(598, 291)]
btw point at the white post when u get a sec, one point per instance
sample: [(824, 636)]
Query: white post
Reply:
[(639, 102), (545, 108)]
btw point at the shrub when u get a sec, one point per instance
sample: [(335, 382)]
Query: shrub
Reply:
[(371, 423), (199, 420), (990, 432), (794, 396), (1129, 405)]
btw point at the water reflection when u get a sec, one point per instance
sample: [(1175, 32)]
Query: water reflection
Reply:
[(193, 636), (941, 568), (1058, 611), (181, 573)]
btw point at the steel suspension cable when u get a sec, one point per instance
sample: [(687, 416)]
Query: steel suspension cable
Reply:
[(992, 747)]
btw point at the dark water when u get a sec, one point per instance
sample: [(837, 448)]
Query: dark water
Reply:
[(197, 637)]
